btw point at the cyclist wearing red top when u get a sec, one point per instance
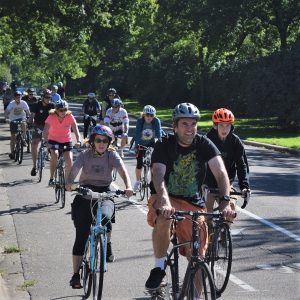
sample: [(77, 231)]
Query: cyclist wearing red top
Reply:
[(57, 131)]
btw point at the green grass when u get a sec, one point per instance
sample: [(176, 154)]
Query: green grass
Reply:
[(251, 129), (26, 284), (12, 249)]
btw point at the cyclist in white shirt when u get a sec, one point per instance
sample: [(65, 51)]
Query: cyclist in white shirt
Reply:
[(17, 110), (117, 119)]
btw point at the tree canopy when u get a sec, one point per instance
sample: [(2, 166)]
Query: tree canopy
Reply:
[(233, 53)]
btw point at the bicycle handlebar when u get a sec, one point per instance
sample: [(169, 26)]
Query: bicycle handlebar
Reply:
[(95, 195)]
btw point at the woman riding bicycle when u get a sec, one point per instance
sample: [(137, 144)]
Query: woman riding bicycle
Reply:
[(148, 128), (96, 166), (57, 131)]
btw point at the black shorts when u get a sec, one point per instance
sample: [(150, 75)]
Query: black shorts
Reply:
[(13, 126), (68, 145)]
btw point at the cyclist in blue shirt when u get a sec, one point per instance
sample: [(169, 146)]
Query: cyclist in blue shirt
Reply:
[(148, 128)]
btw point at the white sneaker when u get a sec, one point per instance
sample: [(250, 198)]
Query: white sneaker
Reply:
[(137, 186)]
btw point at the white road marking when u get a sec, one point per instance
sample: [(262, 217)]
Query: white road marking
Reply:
[(272, 225), (241, 283)]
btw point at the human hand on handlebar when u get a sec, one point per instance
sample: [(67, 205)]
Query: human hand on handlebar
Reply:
[(246, 195)]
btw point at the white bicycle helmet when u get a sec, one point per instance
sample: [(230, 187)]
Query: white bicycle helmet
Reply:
[(186, 110), (149, 109)]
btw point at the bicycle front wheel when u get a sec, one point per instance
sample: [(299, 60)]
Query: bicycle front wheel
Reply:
[(60, 192), (221, 259), (198, 283), (98, 272), (19, 151), (40, 163), (144, 183), (86, 274)]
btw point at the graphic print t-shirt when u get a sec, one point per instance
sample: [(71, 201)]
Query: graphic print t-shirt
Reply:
[(184, 166)]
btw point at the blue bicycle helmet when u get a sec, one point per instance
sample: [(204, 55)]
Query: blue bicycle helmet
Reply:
[(91, 95), (116, 102), (102, 130), (61, 104)]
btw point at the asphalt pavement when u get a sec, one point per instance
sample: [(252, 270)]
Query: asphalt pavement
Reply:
[(11, 270)]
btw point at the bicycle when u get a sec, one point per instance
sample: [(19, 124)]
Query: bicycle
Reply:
[(93, 264), (219, 252), (41, 158), (146, 172), (91, 123), (116, 146), (198, 281), (29, 131), (59, 176), (19, 144)]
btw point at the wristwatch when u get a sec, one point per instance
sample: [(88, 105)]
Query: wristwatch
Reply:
[(225, 198)]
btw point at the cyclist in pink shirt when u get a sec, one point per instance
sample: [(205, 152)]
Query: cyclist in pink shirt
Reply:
[(57, 131)]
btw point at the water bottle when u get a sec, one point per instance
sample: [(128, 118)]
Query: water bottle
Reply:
[(107, 208)]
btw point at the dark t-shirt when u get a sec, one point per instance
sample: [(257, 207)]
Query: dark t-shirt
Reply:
[(90, 107), (41, 112), (31, 102), (185, 166)]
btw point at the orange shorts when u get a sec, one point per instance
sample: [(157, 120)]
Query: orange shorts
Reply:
[(183, 228)]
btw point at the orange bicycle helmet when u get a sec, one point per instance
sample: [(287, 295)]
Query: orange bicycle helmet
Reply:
[(223, 115)]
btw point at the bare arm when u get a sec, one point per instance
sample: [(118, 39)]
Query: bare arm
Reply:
[(46, 131), (76, 132), (126, 179)]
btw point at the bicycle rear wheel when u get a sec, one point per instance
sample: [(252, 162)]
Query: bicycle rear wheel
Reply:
[(86, 274), (221, 259), (98, 272), (198, 283)]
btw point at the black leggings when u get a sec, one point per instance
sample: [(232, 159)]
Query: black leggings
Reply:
[(82, 217), (86, 122)]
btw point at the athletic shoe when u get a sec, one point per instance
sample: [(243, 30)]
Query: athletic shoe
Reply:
[(11, 156), (109, 254), (75, 281), (33, 172), (51, 182), (155, 279)]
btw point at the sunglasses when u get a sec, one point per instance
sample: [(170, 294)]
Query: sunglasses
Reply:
[(62, 110), (104, 141), (30, 94), (111, 95), (47, 97), (149, 115)]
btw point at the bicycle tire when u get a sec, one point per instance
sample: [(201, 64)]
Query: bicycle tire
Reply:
[(198, 283), (168, 286), (19, 151), (40, 163), (86, 274), (28, 140), (62, 184), (144, 192), (114, 174), (98, 272), (221, 259), (56, 186)]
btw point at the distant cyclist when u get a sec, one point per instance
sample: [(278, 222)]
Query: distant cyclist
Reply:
[(106, 103), (55, 96), (148, 128), (96, 165), (7, 97), (57, 131), (30, 98), (61, 90), (117, 119), (17, 110), (90, 108), (39, 114), (233, 154)]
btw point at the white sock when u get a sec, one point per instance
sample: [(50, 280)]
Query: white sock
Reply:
[(160, 262)]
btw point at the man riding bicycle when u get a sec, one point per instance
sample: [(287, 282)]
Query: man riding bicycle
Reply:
[(117, 119), (91, 109), (179, 165)]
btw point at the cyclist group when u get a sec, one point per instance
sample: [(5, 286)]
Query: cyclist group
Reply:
[(181, 163)]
